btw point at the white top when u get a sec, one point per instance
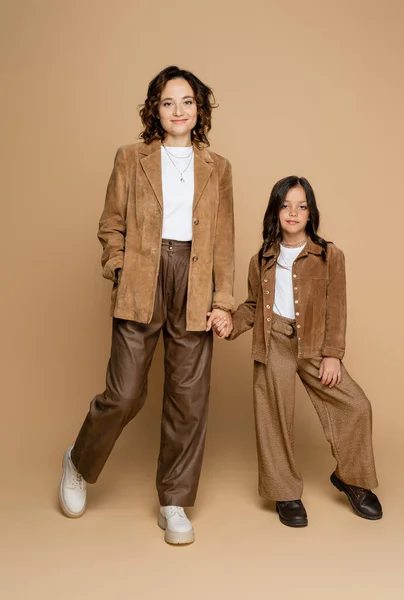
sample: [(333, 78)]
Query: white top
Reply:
[(178, 196), (284, 304)]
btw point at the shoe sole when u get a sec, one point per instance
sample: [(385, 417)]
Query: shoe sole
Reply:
[(289, 524), (66, 511), (340, 488), (295, 525), (175, 538)]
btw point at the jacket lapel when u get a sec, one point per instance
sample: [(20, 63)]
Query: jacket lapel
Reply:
[(310, 248), (151, 164), (202, 173), (271, 255)]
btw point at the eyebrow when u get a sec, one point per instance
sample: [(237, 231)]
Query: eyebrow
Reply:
[(183, 98)]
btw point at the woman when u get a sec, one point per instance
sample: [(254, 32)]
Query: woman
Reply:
[(297, 307), (167, 233)]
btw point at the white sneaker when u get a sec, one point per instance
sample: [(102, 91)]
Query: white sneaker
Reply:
[(73, 489), (177, 526)]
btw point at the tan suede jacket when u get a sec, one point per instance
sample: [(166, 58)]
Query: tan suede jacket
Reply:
[(319, 292), (131, 226)]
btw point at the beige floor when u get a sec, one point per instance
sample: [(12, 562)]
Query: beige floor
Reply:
[(241, 551), (308, 87)]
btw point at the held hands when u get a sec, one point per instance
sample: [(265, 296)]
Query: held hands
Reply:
[(330, 371), (220, 321)]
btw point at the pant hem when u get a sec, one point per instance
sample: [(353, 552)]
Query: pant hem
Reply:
[(274, 499), (184, 502)]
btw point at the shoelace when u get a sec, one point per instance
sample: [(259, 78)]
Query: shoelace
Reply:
[(177, 510), (77, 481), (360, 492)]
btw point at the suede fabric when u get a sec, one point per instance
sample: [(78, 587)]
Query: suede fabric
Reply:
[(319, 291), (131, 228)]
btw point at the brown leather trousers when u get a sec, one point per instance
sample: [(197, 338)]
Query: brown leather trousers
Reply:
[(187, 365)]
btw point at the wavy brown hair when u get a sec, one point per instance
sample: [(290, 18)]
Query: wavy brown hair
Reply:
[(271, 229), (204, 99)]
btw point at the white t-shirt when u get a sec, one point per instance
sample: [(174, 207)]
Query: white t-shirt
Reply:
[(284, 304), (178, 196)]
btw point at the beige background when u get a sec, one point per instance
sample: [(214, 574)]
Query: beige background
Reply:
[(311, 88)]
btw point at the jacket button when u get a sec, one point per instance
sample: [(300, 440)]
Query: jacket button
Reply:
[(268, 306), (265, 280), (194, 258), (268, 318), (267, 292), (297, 314), (294, 274), (196, 221), (298, 326), (296, 301)]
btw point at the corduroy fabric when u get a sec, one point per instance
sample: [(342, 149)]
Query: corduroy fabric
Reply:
[(344, 412)]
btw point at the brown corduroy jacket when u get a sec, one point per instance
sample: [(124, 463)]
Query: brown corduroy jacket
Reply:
[(319, 291), (131, 227)]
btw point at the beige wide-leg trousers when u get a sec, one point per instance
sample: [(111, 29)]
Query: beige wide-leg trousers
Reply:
[(344, 411)]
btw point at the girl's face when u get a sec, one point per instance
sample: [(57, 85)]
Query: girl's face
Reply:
[(294, 213), (177, 111)]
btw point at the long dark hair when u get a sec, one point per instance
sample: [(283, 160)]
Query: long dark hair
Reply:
[(204, 99), (271, 231)]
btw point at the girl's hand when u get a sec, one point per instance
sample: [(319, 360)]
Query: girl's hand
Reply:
[(220, 321), (330, 371), (221, 327)]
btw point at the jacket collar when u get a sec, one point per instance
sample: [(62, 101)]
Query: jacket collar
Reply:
[(151, 163), (310, 248)]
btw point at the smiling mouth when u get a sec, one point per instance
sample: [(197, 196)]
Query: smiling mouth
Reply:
[(292, 222), (179, 120)]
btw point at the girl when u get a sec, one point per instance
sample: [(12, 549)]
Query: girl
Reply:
[(297, 306), (168, 247)]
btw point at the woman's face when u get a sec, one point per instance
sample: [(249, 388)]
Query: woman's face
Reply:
[(294, 213), (177, 111)]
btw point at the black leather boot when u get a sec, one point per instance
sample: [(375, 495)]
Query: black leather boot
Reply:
[(292, 513), (364, 502)]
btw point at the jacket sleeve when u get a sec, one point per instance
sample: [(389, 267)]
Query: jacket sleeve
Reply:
[(244, 316), (335, 330), (112, 226), (223, 251)]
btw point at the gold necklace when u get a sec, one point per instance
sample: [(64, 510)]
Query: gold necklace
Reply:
[(285, 265), (281, 255), (294, 245), (176, 156), (175, 166)]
